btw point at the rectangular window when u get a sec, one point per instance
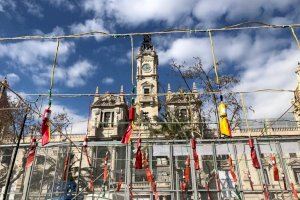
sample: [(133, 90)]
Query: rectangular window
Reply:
[(146, 90), (297, 175), (112, 119), (293, 155), (183, 113), (106, 119)]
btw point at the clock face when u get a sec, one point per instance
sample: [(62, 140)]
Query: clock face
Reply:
[(146, 68)]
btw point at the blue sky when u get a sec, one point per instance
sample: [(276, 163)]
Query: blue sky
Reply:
[(262, 58)]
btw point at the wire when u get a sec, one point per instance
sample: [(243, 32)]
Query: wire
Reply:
[(74, 95), (240, 26)]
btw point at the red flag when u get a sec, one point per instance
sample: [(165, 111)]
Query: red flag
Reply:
[(183, 186), (254, 158), (138, 156), (275, 168), (232, 172), (131, 113), (187, 170), (127, 134), (149, 175), (294, 191), (154, 190), (193, 143), (195, 154), (196, 159), (31, 153), (45, 131)]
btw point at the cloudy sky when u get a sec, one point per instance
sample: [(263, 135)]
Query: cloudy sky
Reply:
[(261, 58)]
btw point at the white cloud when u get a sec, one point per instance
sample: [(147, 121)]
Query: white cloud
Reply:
[(234, 10), (77, 73), (263, 61), (95, 24), (136, 12), (34, 54), (108, 80)]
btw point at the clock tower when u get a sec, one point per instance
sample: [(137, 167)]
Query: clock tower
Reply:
[(147, 81)]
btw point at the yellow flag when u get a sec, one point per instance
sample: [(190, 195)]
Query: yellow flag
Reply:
[(223, 120)]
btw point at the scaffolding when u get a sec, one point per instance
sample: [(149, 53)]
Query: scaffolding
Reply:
[(52, 177)]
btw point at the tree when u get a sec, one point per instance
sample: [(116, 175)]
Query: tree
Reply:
[(173, 126)]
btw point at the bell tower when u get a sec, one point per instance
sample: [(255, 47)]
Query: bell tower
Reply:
[(147, 80)]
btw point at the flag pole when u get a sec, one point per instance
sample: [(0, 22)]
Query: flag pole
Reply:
[(13, 160)]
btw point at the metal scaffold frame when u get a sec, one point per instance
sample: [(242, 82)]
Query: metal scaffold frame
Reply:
[(167, 161)]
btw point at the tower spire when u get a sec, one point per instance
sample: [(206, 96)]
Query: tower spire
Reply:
[(96, 97)]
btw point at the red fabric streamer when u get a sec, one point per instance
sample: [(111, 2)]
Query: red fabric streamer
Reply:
[(195, 154), (208, 191), (294, 191), (66, 165), (105, 168), (250, 180), (266, 192), (31, 153), (145, 160), (138, 155), (85, 145), (275, 168), (187, 170), (183, 186), (127, 134), (91, 185), (149, 175), (254, 158), (45, 130), (232, 172), (131, 113)]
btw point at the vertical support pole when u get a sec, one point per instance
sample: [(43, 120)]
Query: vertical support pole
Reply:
[(216, 166), (193, 173), (27, 179), (13, 160), (177, 179), (171, 170), (238, 171), (128, 170), (54, 176), (79, 172), (261, 170), (283, 166)]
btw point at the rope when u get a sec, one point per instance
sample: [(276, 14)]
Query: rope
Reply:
[(52, 73), (240, 26), (214, 57), (295, 36)]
